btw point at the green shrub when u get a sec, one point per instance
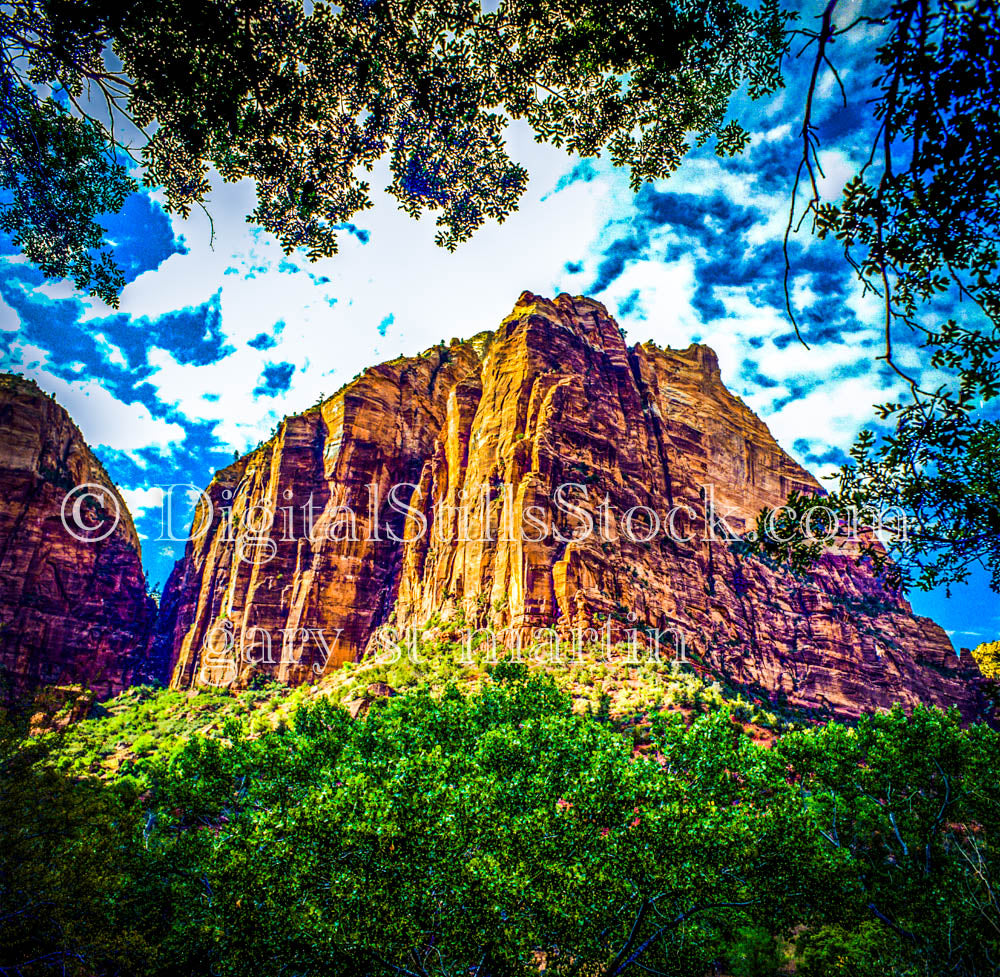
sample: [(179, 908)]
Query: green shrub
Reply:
[(143, 744), (754, 953), (448, 828)]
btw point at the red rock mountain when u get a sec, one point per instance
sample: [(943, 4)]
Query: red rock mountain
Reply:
[(70, 611), (553, 397)]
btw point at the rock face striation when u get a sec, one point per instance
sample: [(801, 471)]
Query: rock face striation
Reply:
[(431, 485), (72, 610)]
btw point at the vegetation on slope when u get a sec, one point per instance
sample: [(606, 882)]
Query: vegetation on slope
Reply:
[(987, 657), (500, 831), (145, 722)]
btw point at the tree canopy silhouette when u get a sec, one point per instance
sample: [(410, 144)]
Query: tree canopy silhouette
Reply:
[(306, 102), (919, 223)]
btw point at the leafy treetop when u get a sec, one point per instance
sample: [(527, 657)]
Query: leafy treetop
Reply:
[(306, 101)]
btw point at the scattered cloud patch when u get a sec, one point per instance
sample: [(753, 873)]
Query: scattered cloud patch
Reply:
[(751, 374), (275, 379), (143, 498), (151, 474), (142, 235), (116, 351), (630, 305), (262, 341), (583, 172), (816, 456), (191, 335), (360, 233)]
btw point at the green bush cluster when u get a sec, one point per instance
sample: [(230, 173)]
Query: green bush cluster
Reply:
[(148, 721), (500, 831)]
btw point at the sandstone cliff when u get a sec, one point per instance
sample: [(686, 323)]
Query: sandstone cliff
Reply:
[(553, 397), (71, 611)]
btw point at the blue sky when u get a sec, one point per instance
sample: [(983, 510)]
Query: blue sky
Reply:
[(215, 342)]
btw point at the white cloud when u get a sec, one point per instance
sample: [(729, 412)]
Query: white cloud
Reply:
[(139, 500), (330, 328), (9, 321), (774, 134), (112, 354), (105, 421), (837, 169), (665, 294)]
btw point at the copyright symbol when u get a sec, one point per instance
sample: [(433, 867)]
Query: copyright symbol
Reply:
[(73, 513)]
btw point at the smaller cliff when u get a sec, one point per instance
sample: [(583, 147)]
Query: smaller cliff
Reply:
[(72, 610)]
